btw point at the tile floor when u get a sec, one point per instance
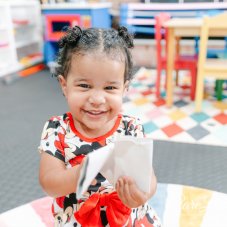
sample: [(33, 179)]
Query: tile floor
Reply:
[(180, 122)]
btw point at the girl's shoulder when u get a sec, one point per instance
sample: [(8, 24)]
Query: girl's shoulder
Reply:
[(57, 121), (56, 124), (131, 126), (131, 119)]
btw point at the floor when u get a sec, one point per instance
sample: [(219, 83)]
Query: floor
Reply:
[(27, 103), (179, 123)]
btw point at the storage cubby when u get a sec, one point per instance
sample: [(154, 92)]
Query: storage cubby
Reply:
[(21, 39)]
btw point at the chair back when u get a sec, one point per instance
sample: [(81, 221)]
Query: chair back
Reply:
[(211, 12), (215, 26), (160, 34)]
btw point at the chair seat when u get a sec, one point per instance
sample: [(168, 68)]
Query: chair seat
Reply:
[(182, 62), (190, 58)]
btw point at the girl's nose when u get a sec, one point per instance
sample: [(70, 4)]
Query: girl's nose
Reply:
[(97, 98)]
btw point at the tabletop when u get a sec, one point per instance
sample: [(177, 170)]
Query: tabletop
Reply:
[(184, 27), (183, 22)]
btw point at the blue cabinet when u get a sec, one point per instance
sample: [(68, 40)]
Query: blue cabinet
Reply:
[(56, 16)]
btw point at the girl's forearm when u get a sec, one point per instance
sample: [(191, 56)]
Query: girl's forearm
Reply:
[(55, 179), (61, 182)]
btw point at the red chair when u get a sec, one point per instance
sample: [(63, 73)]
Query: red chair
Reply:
[(180, 63)]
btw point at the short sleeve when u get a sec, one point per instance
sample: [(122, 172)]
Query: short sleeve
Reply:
[(133, 127), (138, 129), (52, 139)]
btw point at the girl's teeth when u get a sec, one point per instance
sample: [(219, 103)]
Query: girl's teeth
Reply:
[(95, 113)]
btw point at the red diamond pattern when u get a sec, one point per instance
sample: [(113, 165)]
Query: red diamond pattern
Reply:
[(222, 118), (160, 102), (172, 130)]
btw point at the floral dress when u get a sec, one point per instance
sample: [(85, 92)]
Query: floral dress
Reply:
[(61, 139)]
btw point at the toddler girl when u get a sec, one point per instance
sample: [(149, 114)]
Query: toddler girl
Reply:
[(94, 68)]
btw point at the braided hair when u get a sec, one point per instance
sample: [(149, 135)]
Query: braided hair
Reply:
[(113, 43)]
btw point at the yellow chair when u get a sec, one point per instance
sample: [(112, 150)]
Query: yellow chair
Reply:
[(215, 26)]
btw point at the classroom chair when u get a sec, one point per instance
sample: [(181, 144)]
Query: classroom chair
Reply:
[(210, 67), (213, 52), (180, 63)]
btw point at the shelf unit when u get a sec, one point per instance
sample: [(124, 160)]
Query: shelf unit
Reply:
[(21, 40), (139, 18)]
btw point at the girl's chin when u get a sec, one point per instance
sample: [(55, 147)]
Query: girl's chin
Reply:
[(95, 130), (99, 125), (95, 125)]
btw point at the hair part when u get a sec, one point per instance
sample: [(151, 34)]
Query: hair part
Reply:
[(115, 44)]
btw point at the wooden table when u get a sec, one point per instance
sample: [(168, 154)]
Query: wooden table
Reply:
[(182, 27), (178, 27)]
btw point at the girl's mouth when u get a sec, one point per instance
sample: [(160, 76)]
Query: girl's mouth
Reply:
[(95, 112)]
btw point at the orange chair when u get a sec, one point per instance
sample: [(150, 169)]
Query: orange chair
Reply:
[(180, 63)]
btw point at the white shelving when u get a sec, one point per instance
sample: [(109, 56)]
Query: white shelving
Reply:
[(21, 38)]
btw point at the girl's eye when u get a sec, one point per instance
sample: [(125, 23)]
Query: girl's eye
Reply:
[(110, 88), (84, 85)]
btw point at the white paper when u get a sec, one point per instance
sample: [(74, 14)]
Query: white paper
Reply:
[(127, 156)]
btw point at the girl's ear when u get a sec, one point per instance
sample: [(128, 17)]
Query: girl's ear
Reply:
[(62, 82)]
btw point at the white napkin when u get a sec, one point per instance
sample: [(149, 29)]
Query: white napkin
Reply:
[(127, 156)]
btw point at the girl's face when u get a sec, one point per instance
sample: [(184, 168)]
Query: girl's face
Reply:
[(93, 89)]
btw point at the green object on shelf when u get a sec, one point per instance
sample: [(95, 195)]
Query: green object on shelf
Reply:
[(218, 89), (219, 83)]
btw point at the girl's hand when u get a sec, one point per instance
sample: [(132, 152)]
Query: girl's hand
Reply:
[(129, 193)]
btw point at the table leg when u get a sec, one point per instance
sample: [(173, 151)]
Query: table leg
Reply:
[(177, 55), (199, 92), (169, 70), (200, 72)]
